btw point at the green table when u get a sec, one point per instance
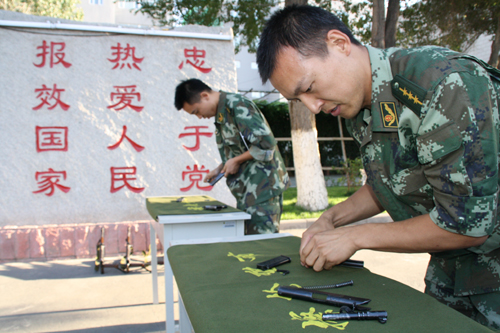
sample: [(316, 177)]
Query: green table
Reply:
[(184, 218), (221, 293)]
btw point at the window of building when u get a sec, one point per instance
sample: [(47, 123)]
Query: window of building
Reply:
[(95, 2), (253, 65), (237, 63), (128, 4)]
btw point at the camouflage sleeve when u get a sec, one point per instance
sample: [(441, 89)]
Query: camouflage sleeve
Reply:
[(458, 146), (255, 130)]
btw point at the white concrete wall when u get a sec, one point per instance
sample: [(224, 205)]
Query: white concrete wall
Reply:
[(92, 125)]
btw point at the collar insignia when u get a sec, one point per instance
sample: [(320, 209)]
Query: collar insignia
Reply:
[(389, 114)]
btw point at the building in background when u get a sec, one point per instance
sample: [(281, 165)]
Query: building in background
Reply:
[(249, 82), (481, 48), (114, 12)]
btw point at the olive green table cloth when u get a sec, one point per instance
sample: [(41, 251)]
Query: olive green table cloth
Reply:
[(223, 291), (183, 205)]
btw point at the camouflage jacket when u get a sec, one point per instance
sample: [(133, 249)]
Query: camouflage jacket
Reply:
[(430, 144), (240, 126)]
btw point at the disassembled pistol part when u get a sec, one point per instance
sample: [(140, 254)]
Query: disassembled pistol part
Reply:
[(346, 314), (324, 297), (330, 286)]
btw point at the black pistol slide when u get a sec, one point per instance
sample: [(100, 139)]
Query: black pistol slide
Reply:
[(215, 179)]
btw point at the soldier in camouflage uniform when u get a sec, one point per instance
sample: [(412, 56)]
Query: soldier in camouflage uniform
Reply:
[(251, 161), (427, 124)]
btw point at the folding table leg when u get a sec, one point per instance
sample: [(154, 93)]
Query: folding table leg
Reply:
[(154, 262), (184, 322), (169, 285)]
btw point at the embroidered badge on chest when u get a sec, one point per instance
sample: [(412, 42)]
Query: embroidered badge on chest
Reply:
[(389, 114)]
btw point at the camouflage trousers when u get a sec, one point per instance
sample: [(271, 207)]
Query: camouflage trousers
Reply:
[(266, 217), (483, 308)]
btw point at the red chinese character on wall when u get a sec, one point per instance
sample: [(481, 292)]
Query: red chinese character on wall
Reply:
[(122, 176), (125, 56), (197, 134), (54, 52), (195, 176), (51, 139), (53, 95), (137, 147), (125, 95), (49, 181), (196, 55)]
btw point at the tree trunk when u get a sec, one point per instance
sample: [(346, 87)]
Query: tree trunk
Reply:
[(391, 23), (378, 24), (495, 47), (311, 186)]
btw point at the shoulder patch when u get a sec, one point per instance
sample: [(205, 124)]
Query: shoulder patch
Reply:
[(408, 93)]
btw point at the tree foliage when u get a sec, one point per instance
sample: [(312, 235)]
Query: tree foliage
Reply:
[(455, 24), (64, 9), (360, 18), (248, 16)]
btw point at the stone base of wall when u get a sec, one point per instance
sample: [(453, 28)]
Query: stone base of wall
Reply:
[(70, 241)]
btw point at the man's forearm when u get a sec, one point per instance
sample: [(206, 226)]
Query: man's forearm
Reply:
[(326, 249), (359, 206), (419, 234), (246, 156)]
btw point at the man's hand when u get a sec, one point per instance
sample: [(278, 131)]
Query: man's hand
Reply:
[(329, 248), (324, 223), (212, 174), (232, 166), (359, 206)]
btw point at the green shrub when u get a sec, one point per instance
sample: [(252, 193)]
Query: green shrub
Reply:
[(352, 171)]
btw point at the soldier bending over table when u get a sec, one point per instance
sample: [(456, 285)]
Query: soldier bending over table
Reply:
[(251, 161)]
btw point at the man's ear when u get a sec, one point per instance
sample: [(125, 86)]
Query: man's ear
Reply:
[(339, 40), (204, 95)]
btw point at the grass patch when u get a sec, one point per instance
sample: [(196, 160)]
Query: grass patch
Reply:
[(336, 194)]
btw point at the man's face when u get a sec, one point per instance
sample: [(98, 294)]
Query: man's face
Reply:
[(205, 108), (334, 84)]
